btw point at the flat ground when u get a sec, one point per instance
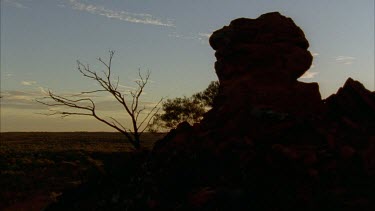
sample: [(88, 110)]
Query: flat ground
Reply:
[(36, 167)]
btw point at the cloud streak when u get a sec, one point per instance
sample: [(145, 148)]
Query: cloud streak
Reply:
[(202, 37), (205, 35), (20, 99), (28, 83), (8, 75), (347, 60), (119, 15), (181, 36), (15, 3), (309, 75), (15, 99)]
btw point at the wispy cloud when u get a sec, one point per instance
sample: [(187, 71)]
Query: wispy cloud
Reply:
[(127, 87), (119, 15), (347, 60), (182, 36), (15, 3), (28, 83), (203, 37), (314, 54), (8, 75), (309, 75), (18, 99), (26, 100)]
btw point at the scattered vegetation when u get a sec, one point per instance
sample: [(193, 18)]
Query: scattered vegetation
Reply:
[(181, 109)]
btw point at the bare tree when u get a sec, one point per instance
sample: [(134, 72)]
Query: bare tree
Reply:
[(84, 105)]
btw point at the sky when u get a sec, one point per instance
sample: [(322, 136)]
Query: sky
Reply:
[(41, 40)]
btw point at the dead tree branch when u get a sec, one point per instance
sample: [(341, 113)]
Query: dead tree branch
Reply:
[(85, 106)]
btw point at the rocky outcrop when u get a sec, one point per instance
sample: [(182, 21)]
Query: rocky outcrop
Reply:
[(259, 61), (353, 104), (269, 142), (271, 45)]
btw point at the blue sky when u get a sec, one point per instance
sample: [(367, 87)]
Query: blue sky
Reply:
[(42, 39)]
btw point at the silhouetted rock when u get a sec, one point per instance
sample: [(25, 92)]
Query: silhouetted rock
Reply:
[(269, 142), (353, 104), (258, 62), (270, 47)]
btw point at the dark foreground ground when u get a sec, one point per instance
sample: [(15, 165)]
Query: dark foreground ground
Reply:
[(36, 167)]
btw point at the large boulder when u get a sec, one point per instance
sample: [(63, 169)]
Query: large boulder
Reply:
[(268, 47), (258, 63)]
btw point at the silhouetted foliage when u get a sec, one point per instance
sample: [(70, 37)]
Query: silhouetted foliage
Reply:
[(189, 109), (130, 101), (208, 95)]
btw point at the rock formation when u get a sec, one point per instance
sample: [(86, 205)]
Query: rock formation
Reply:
[(259, 61), (269, 142)]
